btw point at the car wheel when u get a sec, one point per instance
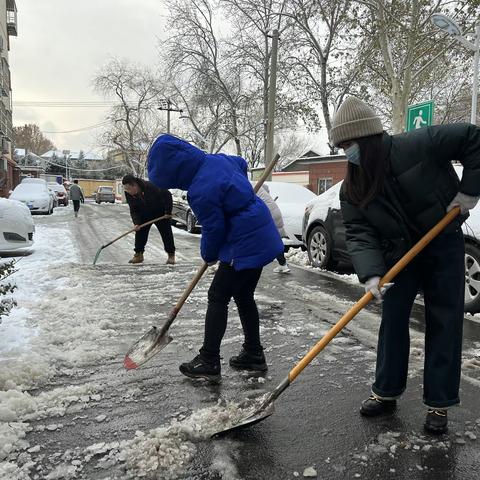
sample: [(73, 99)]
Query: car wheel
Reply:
[(191, 223), (472, 278), (320, 249)]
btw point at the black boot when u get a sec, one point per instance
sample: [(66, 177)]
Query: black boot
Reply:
[(249, 361), (201, 368), (373, 406), (436, 421)]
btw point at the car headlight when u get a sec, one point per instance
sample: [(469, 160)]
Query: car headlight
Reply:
[(306, 215)]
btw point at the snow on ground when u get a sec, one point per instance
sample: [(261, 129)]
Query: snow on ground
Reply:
[(41, 337), (297, 256)]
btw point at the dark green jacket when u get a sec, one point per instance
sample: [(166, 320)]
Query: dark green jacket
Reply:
[(420, 184)]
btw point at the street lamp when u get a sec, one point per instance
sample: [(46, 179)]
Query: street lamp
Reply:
[(451, 27)]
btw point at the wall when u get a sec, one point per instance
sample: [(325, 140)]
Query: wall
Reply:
[(299, 178), (89, 186), (334, 170)]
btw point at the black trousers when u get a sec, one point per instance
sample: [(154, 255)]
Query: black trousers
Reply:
[(165, 229), (281, 259), (440, 271), (240, 285), (76, 205)]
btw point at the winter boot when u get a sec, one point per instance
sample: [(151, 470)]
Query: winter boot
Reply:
[(201, 368), (282, 269), (373, 406), (171, 259), (137, 258), (249, 361), (76, 214), (436, 421)]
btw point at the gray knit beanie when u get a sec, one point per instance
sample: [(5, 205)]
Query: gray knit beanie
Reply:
[(354, 119)]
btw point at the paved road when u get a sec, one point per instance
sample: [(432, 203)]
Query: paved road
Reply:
[(316, 423)]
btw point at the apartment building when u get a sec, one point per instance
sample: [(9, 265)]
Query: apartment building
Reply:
[(9, 173)]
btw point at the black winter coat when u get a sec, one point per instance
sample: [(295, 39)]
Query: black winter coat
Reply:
[(420, 184), (151, 203)]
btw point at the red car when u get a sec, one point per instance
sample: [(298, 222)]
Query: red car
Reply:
[(60, 192)]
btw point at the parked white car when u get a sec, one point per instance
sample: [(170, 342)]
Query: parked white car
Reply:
[(324, 238), (291, 199), (16, 225), (34, 193)]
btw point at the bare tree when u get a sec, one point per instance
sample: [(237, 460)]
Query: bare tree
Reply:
[(319, 43), (134, 120), (409, 55), (195, 51), (31, 138)]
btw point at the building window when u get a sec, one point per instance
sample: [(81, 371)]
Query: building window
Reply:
[(323, 184)]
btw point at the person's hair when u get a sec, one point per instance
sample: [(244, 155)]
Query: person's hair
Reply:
[(363, 183), (75, 181), (129, 179)]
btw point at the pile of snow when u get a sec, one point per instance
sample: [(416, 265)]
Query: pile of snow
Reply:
[(165, 452)]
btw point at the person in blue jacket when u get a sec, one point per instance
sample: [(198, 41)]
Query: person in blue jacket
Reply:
[(237, 230)]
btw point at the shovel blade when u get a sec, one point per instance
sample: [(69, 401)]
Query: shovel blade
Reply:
[(97, 255), (145, 348), (256, 417)]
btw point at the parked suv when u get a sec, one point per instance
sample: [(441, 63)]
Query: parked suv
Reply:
[(182, 213), (323, 234), (104, 194)]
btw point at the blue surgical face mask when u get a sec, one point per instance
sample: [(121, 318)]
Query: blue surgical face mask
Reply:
[(353, 153)]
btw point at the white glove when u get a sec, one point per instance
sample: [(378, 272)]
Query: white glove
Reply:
[(465, 202), (371, 285)]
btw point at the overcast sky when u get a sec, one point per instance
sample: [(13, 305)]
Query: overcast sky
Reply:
[(60, 46)]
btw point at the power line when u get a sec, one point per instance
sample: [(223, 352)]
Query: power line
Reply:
[(69, 104), (83, 169), (97, 125)]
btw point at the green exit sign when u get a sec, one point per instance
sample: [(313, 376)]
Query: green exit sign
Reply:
[(419, 115)]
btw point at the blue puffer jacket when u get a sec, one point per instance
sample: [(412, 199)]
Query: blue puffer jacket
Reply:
[(237, 227)]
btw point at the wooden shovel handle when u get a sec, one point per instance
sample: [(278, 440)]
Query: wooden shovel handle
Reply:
[(163, 217), (397, 268), (266, 173)]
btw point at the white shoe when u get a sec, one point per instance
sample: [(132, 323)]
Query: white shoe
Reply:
[(282, 269)]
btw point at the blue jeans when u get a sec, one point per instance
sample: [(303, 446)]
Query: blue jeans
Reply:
[(440, 271)]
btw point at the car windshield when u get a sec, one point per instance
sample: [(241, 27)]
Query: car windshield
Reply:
[(106, 189)]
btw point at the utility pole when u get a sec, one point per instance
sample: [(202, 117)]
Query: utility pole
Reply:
[(272, 89), (168, 108)]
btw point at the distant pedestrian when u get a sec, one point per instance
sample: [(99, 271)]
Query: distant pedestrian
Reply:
[(76, 196), (146, 202), (396, 189), (264, 194)]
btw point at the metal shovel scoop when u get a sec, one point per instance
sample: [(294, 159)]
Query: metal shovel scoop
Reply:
[(157, 338), (266, 409), (99, 251)]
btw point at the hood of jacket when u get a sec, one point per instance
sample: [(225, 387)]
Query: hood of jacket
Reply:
[(173, 162)]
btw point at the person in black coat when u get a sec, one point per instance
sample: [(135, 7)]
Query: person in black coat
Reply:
[(396, 189), (146, 202)]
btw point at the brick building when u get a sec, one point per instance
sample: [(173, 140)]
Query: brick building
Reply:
[(314, 171)]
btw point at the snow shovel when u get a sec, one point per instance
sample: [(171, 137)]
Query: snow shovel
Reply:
[(158, 338), (163, 217), (266, 408)]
